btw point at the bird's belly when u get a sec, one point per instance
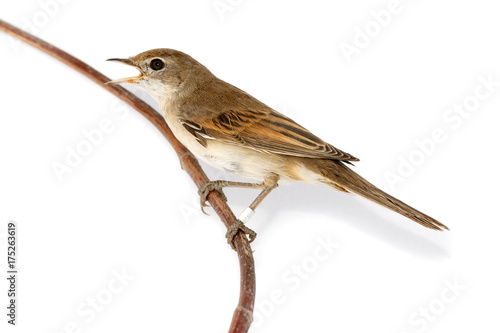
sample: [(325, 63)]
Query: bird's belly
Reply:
[(238, 160), (241, 161)]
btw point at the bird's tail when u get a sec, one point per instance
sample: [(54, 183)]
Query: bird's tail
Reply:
[(341, 177)]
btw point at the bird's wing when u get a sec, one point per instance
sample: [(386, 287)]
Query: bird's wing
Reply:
[(263, 130)]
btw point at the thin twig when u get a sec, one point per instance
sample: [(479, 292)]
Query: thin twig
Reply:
[(242, 317)]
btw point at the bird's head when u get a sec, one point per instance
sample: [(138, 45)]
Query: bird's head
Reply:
[(164, 73)]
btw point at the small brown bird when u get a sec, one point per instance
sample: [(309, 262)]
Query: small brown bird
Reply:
[(233, 131)]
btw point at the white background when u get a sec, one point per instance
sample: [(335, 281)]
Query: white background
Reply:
[(128, 205)]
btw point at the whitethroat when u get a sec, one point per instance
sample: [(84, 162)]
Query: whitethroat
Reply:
[(231, 130)]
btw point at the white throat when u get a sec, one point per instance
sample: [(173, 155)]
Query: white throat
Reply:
[(162, 93)]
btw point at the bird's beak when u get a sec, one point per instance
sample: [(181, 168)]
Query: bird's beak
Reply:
[(130, 79)]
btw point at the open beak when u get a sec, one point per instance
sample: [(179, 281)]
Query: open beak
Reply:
[(130, 79)]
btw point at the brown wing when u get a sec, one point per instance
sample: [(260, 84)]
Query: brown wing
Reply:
[(267, 131)]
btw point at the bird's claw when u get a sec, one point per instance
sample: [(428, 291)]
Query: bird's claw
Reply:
[(233, 230), (205, 189)]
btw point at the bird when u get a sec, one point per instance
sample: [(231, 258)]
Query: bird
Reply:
[(231, 130)]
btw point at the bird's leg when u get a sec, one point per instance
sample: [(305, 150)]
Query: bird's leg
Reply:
[(218, 185), (268, 185)]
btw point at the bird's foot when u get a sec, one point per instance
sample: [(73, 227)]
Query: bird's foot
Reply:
[(233, 230), (206, 188)]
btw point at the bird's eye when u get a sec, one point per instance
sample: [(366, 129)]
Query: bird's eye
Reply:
[(156, 64)]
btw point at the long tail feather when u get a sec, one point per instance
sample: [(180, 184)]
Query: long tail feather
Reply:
[(341, 177)]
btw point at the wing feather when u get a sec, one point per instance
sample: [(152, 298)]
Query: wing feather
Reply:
[(266, 131), (220, 111)]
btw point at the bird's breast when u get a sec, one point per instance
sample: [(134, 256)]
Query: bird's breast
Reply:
[(232, 158), (236, 159)]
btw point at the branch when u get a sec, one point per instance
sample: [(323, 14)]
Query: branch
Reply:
[(242, 317)]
